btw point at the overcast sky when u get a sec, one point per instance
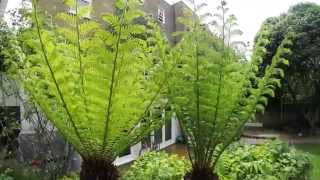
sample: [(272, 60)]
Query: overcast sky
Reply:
[(250, 13)]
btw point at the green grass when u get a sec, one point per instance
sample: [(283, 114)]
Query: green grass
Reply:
[(314, 151)]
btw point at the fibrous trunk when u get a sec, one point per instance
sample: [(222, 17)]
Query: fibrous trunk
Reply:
[(203, 173), (96, 169)]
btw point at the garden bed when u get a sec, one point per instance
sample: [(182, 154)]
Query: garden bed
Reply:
[(314, 154)]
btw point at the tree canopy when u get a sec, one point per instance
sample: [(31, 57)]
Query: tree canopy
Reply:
[(302, 80)]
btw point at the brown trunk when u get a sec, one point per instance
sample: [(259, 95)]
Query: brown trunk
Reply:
[(93, 169), (203, 173)]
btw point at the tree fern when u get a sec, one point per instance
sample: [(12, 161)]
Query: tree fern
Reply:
[(214, 94), (96, 85)]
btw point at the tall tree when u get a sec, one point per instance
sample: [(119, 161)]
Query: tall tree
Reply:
[(302, 80), (96, 85), (214, 95)]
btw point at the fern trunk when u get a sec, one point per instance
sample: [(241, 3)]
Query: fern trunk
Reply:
[(201, 172), (98, 169)]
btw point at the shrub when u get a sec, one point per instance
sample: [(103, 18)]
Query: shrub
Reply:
[(12, 170), (273, 160), (5, 175), (71, 176), (158, 166)]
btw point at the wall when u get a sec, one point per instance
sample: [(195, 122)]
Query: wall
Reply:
[(179, 10), (152, 6), (136, 149), (3, 5)]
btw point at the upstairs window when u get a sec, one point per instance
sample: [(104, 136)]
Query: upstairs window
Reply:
[(88, 2), (81, 3), (161, 16)]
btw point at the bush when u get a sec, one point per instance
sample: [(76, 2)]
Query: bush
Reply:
[(12, 170), (5, 175), (157, 166), (71, 176), (271, 161)]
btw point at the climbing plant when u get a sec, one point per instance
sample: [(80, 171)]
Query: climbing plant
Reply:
[(96, 82)]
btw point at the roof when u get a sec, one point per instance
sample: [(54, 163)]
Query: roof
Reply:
[(173, 2)]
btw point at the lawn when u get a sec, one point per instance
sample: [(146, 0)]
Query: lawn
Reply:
[(314, 151)]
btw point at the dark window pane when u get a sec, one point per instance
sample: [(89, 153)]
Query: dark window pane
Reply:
[(9, 116), (9, 128), (126, 152), (168, 128), (146, 142), (158, 136)]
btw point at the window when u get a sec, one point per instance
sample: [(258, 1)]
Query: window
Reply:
[(86, 1), (10, 113), (9, 117), (146, 142), (26, 4), (72, 10), (161, 16), (126, 152), (158, 136), (168, 131)]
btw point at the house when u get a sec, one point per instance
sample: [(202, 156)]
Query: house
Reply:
[(167, 15), (3, 6), (164, 12)]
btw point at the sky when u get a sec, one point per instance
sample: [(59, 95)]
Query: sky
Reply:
[(250, 13)]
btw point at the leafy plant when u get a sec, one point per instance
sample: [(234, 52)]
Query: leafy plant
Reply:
[(272, 160), (96, 84), (9, 124), (72, 176), (158, 165), (9, 47), (19, 171), (302, 82), (5, 176), (214, 94)]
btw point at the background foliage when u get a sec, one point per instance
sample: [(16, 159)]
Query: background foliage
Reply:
[(273, 161), (302, 80), (159, 166)]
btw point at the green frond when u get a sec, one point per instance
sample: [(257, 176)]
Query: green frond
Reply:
[(90, 81)]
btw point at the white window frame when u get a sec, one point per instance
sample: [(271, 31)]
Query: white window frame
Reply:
[(72, 11), (88, 2), (161, 15)]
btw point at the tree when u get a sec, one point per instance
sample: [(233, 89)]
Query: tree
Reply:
[(214, 95), (96, 84), (302, 82)]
